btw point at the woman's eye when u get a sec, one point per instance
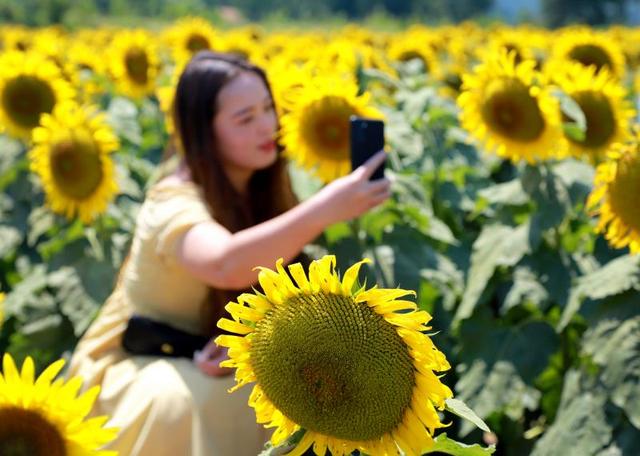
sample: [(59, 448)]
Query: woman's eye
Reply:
[(246, 120)]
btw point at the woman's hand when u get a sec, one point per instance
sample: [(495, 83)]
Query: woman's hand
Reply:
[(354, 194), (209, 358)]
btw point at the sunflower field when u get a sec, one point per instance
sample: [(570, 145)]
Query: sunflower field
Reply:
[(515, 160)]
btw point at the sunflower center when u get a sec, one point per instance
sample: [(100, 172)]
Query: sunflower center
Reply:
[(511, 111), (406, 56), (333, 366), (76, 168), (601, 122), (27, 433), (136, 61), (624, 189), (197, 42), (26, 97), (590, 54), (325, 127)]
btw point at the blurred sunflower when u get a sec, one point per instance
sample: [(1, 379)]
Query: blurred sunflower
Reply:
[(353, 367), (190, 35), (71, 154), (509, 109), (613, 199), (510, 40), (602, 100), (316, 132), (30, 85), (40, 417), (407, 48), (134, 63), (589, 47)]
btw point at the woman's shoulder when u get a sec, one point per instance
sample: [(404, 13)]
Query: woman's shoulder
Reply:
[(172, 185)]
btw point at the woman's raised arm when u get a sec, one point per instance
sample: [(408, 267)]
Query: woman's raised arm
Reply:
[(224, 260)]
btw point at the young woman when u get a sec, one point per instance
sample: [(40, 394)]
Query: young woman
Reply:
[(227, 208)]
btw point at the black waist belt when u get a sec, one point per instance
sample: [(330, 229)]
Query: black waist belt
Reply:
[(145, 336)]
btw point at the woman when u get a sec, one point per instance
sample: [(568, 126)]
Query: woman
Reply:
[(200, 232)]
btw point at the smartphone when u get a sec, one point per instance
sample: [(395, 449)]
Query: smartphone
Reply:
[(367, 138)]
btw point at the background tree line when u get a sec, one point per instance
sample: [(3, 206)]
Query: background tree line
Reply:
[(77, 12)]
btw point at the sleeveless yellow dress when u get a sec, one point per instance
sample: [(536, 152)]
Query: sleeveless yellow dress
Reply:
[(163, 406)]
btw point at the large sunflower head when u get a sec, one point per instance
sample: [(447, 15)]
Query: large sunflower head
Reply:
[(602, 100), (316, 131), (509, 108), (353, 367), (134, 63), (43, 417), (613, 199), (71, 154), (589, 48), (30, 85)]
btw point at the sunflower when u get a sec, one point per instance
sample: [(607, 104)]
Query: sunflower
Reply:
[(71, 154), (353, 367), (30, 85), (44, 417), (508, 108), (602, 100), (589, 47), (316, 131), (134, 63), (409, 47), (190, 35), (613, 199)]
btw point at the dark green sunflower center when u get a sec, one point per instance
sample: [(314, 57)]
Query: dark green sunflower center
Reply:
[(197, 42), (406, 56), (76, 168), (325, 128), (136, 62), (590, 54), (25, 98), (26, 433), (511, 111), (624, 189), (333, 366), (601, 122)]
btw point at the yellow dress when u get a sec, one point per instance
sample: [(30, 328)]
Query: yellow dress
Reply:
[(163, 406)]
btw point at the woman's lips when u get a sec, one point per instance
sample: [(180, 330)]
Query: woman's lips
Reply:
[(268, 146)]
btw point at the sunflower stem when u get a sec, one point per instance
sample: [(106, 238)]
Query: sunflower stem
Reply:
[(360, 235)]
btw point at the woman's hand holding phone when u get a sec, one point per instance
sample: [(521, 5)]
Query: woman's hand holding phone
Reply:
[(354, 194)]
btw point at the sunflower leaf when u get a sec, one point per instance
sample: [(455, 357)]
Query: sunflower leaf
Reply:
[(459, 408), (571, 109), (497, 245), (443, 444), (615, 277)]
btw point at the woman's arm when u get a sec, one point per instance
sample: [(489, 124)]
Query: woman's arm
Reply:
[(226, 261)]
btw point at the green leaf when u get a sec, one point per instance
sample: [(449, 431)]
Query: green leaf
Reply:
[(10, 239), (571, 109), (459, 408), (614, 344), (615, 277), (499, 365), (581, 427), (443, 444), (122, 115), (497, 245), (573, 131)]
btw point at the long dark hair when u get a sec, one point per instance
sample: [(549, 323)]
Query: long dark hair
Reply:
[(194, 109)]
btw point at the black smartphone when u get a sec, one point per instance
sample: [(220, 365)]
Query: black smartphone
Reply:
[(367, 138)]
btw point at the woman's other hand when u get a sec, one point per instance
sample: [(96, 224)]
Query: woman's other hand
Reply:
[(209, 358), (354, 194)]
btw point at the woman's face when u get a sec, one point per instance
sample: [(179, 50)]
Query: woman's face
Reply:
[(245, 124)]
